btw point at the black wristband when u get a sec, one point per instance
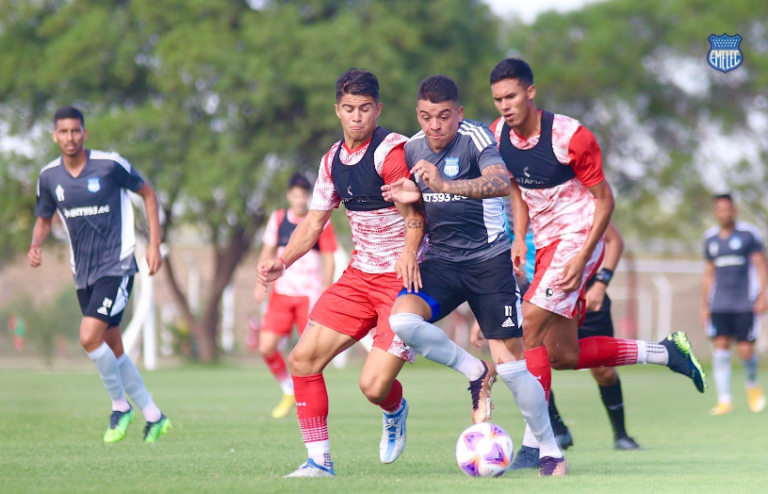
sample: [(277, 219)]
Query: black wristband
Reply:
[(604, 276)]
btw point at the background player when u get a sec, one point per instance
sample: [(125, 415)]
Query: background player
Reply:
[(387, 240), (733, 294), (88, 189), (294, 294), (462, 180), (569, 208)]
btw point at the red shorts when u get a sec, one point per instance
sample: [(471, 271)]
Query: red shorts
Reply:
[(283, 311), (550, 262), (359, 302)]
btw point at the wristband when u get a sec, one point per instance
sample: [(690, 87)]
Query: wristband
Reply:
[(285, 266), (604, 276)]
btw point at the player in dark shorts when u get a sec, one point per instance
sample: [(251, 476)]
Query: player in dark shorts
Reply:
[(598, 322), (89, 191), (733, 295), (462, 180)]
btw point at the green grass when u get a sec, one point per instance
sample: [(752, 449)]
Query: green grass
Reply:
[(223, 439)]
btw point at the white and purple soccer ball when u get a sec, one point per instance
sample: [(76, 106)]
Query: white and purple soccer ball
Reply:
[(484, 450)]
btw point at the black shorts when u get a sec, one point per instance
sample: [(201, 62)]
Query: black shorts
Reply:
[(742, 326), (598, 323), (106, 299), (488, 286)]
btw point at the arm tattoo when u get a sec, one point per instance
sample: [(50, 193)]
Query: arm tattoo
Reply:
[(414, 224), (493, 183)]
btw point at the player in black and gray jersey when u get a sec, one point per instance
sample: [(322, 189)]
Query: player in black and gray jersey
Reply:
[(461, 180), (733, 295), (89, 191)]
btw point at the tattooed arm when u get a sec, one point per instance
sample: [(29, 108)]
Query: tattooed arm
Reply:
[(494, 181), (407, 267)]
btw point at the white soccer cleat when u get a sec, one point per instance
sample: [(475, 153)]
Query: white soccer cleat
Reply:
[(393, 436), (311, 469)]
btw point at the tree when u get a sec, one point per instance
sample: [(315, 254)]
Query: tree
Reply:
[(215, 101)]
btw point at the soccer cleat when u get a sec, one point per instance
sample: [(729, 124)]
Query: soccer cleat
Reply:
[(526, 458), (756, 399), (683, 361), (565, 441), (393, 437), (153, 430), (311, 469), (481, 394), (118, 425), (553, 467), (284, 408), (721, 409), (625, 443)]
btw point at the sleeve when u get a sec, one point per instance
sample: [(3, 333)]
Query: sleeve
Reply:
[(45, 206), (327, 240), (585, 157), (269, 238), (394, 165), (127, 176), (707, 254), (496, 128), (757, 242), (324, 196)]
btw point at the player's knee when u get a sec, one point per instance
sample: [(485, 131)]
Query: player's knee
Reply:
[(562, 359), (405, 325), (299, 364), (374, 388)]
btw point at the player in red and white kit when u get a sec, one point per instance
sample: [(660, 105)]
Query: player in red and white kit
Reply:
[(559, 185), (291, 296), (387, 241)]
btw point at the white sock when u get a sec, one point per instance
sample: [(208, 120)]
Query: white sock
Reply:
[(649, 352), (320, 452), (529, 439), (433, 344), (529, 396), (287, 385), (106, 364), (750, 371), (120, 405), (151, 412), (721, 370)]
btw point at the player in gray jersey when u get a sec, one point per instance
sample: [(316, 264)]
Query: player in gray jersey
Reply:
[(89, 191), (461, 179), (733, 295)]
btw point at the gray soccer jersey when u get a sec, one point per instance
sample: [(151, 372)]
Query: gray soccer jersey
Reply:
[(96, 212), (459, 228), (736, 283)]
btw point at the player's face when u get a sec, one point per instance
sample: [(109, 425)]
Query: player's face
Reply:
[(358, 116), (439, 121), (70, 136), (513, 100), (725, 212), (298, 199)]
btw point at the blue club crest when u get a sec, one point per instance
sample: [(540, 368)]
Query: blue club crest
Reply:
[(724, 52), (451, 168), (94, 185)]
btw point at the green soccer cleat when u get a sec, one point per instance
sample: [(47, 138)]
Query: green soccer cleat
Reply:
[(118, 425), (154, 430), (683, 361)]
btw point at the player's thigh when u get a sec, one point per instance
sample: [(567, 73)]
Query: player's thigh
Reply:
[(536, 324), (562, 343), (316, 347), (379, 372), (440, 293), (92, 332), (104, 301), (269, 341)]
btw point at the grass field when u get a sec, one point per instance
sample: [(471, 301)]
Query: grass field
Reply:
[(223, 439)]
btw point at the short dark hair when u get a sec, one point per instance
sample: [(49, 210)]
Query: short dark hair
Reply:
[(299, 180), (358, 82), (68, 112), (438, 88), (512, 68), (726, 197)]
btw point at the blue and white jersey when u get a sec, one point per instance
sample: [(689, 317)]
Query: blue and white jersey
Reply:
[(96, 212), (461, 229), (736, 283)]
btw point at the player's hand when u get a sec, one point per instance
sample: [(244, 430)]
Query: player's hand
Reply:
[(761, 305), (154, 259), (35, 256), (407, 269), (403, 191), (426, 171), (704, 315), (270, 270), (572, 275), (476, 336), (519, 252), (595, 296)]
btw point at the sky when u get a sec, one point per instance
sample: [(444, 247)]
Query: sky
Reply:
[(528, 10)]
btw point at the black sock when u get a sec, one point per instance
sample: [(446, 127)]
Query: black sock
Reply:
[(558, 426), (614, 405)]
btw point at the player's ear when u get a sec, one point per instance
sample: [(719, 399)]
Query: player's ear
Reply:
[(531, 91), (461, 113), (378, 109), (85, 134), (336, 107)]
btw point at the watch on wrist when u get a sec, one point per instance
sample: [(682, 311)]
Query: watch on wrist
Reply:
[(604, 276)]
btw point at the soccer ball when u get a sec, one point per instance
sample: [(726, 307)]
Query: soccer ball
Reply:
[(484, 450)]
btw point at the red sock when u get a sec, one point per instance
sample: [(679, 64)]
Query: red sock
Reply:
[(311, 407), (537, 361), (276, 365), (603, 351), (393, 399)]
